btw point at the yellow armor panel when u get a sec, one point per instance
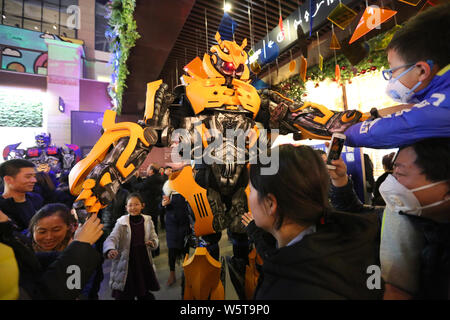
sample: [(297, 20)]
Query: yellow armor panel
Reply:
[(113, 132), (184, 183), (211, 93), (150, 99), (202, 275)]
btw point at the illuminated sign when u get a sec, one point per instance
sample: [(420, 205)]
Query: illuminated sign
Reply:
[(278, 41)]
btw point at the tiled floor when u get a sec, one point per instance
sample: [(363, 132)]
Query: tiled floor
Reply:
[(162, 271)]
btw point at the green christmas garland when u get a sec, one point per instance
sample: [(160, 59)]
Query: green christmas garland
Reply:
[(123, 35), (294, 88)]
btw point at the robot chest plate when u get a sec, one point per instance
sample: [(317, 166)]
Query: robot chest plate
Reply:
[(213, 93)]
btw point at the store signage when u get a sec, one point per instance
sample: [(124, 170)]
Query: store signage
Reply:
[(278, 41)]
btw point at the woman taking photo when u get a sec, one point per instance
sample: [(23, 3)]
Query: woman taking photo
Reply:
[(308, 250), (52, 228)]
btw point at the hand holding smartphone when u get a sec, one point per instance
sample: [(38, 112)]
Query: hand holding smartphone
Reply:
[(335, 149)]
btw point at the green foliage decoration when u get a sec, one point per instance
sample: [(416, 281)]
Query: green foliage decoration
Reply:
[(122, 33), (294, 88)]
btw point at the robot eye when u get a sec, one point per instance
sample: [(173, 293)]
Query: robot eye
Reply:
[(228, 67)]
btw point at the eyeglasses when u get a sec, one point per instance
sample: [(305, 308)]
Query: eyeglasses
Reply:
[(387, 74)]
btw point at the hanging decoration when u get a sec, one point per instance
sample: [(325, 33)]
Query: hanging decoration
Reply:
[(372, 17), (122, 35), (430, 3), (303, 68), (278, 69), (280, 20), (280, 24), (255, 67), (294, 87), (292, 64), (411, 2), (342, 16), (318, 50), (375, 60), (337, 73), (334, 44)]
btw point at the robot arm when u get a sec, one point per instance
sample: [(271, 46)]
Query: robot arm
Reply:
[(312, 120), (12, 152), (118, 154)]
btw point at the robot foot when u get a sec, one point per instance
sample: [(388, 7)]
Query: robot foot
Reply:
[(237, 267)]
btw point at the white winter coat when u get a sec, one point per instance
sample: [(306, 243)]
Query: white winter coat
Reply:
[(120, 239)]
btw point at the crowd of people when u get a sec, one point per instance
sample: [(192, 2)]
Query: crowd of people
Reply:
[(316, 239)]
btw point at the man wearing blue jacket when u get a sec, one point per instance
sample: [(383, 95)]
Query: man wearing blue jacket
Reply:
[(419, 56), (419, 79)]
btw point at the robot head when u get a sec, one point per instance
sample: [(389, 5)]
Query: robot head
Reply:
[(229, 59), (43, 140)]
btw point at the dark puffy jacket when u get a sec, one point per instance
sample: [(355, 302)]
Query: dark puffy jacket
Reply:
[(150, 190), (38, 282), (177, 222), (330, 263), (435, 257)]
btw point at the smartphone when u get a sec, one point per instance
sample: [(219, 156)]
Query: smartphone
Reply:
[(335, 149)]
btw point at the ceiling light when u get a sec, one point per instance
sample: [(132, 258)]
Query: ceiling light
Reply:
[(54, 27), (227, 7)]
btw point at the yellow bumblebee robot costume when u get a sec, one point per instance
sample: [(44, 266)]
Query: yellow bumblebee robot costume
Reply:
[(216, 96)]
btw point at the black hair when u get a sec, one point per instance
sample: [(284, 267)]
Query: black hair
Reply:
[(320, 152), (135, 195), (433, 157), (154, 167), (426, 36), (12, 167), (300, 185), (388, 161), (51, 209)]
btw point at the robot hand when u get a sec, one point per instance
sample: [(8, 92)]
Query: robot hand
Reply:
[(114, 159), (313, 120), (317, 122)]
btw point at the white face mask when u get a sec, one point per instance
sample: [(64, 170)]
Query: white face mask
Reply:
[(399, 92), (399, 198)]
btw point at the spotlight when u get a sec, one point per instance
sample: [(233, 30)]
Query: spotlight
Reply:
[(227, 7)]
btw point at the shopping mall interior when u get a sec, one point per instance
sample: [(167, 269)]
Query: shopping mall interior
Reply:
[(76, 70)]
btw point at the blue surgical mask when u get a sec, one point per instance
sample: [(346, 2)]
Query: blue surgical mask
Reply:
[(398, 91)]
